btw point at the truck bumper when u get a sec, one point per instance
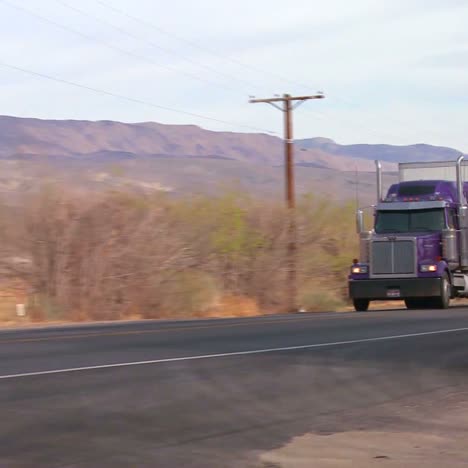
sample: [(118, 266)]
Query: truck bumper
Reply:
[(394, 288)]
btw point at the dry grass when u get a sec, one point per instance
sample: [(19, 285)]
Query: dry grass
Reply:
[(120, 256), (234, 306)]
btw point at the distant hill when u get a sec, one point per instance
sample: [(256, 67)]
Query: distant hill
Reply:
[(89, 155), (389, 153), (20, 136)]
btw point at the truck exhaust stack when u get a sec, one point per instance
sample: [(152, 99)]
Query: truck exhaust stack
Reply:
[(461, 195), (378, 166)]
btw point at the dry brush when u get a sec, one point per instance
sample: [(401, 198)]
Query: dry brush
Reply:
[(121, 255)]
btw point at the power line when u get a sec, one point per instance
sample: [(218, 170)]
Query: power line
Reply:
[(157, 46), (195, 45), (212, 52), (152, 62), (403, 125), (353, 123), (132, 99), (405, 134), (110, 46)]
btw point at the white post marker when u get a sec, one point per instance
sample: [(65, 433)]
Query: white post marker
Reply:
[(20, 310)]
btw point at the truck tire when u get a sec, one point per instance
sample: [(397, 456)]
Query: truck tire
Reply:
[(443, 301), (361, 305)]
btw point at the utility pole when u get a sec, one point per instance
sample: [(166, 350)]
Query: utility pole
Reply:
[(289, 103)]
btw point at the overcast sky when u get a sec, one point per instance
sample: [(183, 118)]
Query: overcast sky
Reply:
[(393, 71)]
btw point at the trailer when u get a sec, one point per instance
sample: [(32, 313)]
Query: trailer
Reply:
[(417, 248)]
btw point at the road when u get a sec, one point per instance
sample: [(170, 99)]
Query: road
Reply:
[(217, 393)]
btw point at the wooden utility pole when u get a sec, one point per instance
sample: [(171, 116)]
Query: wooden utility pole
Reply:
[(289, 103)]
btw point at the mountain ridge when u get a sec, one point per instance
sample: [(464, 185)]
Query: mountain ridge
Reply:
[(20, 135), (186, 159)]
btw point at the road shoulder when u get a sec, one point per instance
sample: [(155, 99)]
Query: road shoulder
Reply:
[(431, 433)]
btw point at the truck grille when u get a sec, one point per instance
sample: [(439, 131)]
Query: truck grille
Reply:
[(393, 257)]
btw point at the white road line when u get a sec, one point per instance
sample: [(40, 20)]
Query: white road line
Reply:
[(235, 353)]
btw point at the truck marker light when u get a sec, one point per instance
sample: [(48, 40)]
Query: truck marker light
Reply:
[(359, 269), (428, 268)]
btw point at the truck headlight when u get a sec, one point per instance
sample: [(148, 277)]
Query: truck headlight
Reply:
[(428, 268), (357, 269)]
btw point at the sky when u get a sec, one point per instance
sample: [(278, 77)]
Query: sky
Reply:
[(392, 71)]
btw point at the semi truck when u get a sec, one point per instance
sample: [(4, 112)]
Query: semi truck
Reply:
[(417, 247)]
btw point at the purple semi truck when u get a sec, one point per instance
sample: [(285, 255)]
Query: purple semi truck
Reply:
[(417, 250)]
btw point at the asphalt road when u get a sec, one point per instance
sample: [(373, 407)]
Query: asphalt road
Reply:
[(217, 393)]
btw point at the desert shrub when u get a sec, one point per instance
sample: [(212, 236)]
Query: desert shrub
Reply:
[(181, 294), (120, 255), (319, 299)]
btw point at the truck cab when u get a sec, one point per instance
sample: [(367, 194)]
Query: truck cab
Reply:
[(417, 248)]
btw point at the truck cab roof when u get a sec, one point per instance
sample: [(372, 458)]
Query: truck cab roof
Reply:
[(424, 190)]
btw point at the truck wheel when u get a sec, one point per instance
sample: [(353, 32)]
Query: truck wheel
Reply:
[(443, 301), (361, 305)]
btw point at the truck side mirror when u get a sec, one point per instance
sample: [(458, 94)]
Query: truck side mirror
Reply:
[(359, 221)]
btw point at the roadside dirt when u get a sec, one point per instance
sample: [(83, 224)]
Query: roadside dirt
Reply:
[(430, 435), (229, 308)]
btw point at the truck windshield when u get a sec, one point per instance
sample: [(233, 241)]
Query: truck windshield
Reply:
[(410, 221)]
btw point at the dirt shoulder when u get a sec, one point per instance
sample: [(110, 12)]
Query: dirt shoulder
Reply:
[(432, 434), (10, 321)]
